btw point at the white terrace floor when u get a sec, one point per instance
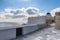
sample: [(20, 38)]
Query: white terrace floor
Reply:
[(49, 33)]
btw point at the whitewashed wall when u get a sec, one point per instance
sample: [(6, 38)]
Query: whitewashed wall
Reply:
[(7, 34), (37, 20)]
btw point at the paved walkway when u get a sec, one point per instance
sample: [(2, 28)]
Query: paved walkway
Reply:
[(49, 33)]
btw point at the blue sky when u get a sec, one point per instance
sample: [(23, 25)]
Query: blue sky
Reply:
[(43, 5)]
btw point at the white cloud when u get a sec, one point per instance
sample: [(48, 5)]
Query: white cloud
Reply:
[(8, 10), (42, 14), (32, 10), (54, 10), (22, 12)]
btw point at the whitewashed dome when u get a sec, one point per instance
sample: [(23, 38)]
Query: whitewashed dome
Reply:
[(54, 11)]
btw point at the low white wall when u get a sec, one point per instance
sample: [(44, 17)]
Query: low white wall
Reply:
[(37, 20), (32, 28), (11, 33), (40, 22), (29, 29), (7, 34)]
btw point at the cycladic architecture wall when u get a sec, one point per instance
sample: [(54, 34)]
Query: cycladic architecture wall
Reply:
[(7, 34), (35, 23), (37, 20)]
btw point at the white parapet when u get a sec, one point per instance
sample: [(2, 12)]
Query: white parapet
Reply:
[(9, 31), (34, 23), (7, 34), (37, 20)]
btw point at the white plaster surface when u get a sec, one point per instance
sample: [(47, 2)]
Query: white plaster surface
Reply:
[(37, 20), (7, 34), (49, 33)]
